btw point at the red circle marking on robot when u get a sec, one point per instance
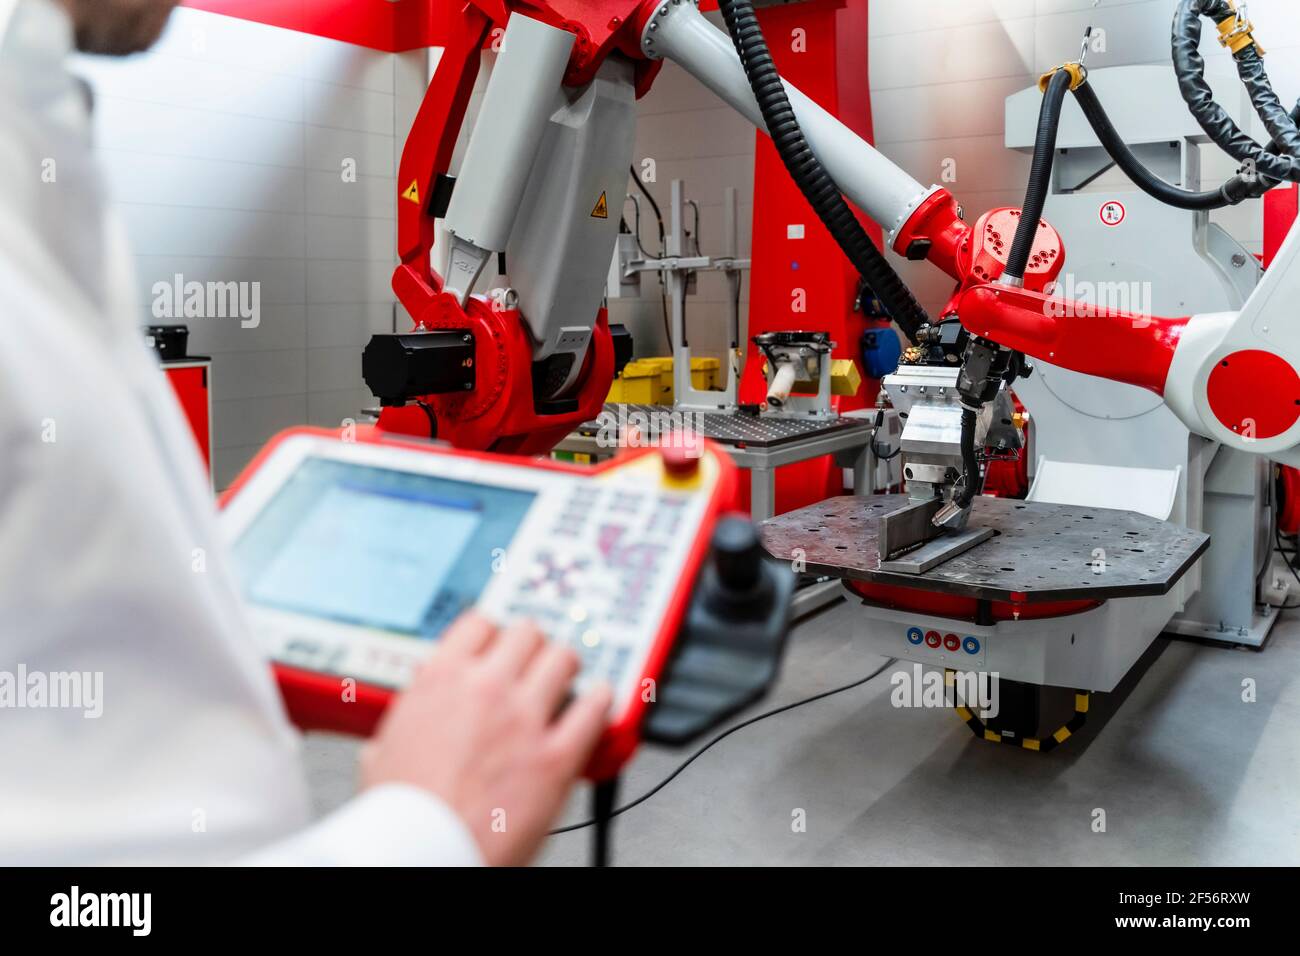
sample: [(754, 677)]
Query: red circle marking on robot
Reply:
[(951, 642), (933, 639), (1254, 393), (1112, 212)]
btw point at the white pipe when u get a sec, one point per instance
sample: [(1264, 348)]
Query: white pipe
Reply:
[(521, 95), (678, 31), (778, 393)]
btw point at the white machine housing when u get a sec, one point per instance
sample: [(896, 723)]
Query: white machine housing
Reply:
[(1107, 444)]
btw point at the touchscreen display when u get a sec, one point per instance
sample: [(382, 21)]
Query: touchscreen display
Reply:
[(375, 547)]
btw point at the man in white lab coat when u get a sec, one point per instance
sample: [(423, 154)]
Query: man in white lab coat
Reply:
[(187, 756)]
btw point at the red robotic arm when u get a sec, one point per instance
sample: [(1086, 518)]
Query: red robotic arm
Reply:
[(505, 410), (1200, 364)]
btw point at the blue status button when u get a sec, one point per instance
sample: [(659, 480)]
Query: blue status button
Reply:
[(971, 645), (915, 635)]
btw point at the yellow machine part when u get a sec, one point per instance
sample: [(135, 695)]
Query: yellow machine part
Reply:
[(845, 379), (642, 382), (649, 381)]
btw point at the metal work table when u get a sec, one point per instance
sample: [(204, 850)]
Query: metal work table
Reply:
[(759, 444), (1039, 552)]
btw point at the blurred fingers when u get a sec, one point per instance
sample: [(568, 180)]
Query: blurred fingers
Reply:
[(578, 729)]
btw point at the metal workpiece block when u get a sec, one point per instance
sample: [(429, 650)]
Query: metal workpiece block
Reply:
[(1038, 552), (911, 539)]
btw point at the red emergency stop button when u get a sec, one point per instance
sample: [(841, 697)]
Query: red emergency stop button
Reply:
[(680, 463)]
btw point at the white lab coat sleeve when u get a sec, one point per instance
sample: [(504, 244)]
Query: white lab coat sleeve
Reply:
[(390, 825), (104, 506)]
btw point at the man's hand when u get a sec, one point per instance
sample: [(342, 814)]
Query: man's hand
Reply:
[(480, 726)]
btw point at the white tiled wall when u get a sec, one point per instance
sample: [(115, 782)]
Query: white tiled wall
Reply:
[(225, 148)]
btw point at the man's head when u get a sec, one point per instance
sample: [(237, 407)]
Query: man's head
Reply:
[(118, 27)]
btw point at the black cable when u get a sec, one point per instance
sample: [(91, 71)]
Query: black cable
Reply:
[(1277, 120), (685, 288), (604, 794), (886, 457), (970, 479), (1189, 66), (1235, 190), (1264, 183), (659, 216), (637, 231), (723, 736), (659, 220), (735, 301), (430, 414), (876, 446), (1040, 174), (808, 173)]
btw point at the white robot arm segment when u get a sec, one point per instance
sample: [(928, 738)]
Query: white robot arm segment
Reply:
[(679, 32)]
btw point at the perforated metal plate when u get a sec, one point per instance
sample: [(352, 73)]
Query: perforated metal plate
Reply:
[(738, 429), (1040, 552)]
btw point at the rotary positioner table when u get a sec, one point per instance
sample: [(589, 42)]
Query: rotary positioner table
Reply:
[(1059, 602)]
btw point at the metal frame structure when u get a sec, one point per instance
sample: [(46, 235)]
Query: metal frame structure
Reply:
[(675, 269)]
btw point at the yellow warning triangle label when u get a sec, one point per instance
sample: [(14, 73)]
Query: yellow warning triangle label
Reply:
[(602, 208), (412, 193)]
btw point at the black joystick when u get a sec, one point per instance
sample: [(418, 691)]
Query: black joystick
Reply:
[(737, 555), (738, 583), (729, 650)]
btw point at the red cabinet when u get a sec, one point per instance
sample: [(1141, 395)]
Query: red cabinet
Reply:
[(190, 380)]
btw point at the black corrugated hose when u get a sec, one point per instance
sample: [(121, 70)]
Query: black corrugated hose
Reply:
[(1040, 174), (1189, 66), (808, 174), (1235, 190)]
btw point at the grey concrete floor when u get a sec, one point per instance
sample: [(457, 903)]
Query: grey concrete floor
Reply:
[(1186, 772)]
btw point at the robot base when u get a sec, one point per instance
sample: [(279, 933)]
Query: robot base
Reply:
[(1041, 673), (1090, 649), (1252, 635), (1061, 602)]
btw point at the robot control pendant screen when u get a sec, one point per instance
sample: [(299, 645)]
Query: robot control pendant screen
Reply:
[(377, 548), (355, 556)]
